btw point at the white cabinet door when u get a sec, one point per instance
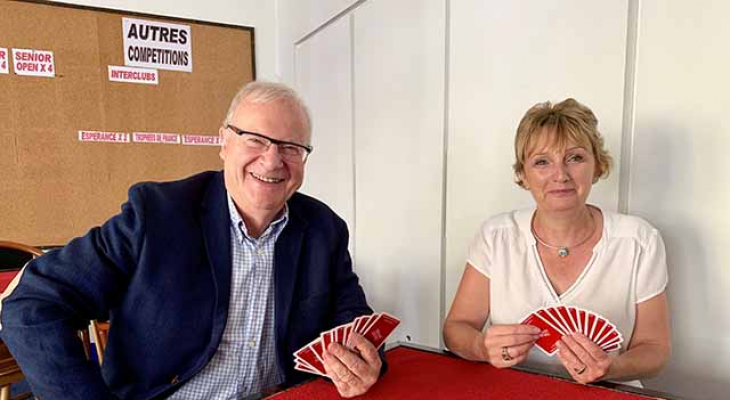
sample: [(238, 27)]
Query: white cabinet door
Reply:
[(323, 78), (399, 61)]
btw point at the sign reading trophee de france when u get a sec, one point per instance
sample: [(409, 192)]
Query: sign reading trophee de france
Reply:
[(160, 45)]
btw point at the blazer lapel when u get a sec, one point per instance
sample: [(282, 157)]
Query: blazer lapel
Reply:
[(286, 264), (215, 221)]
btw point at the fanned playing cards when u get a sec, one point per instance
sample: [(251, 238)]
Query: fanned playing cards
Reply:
[(376, 328), (558, 321)]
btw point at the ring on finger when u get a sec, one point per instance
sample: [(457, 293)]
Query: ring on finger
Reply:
[(579, 371), (505, 354)]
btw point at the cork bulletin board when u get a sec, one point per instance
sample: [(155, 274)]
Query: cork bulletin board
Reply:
[(82, 117)]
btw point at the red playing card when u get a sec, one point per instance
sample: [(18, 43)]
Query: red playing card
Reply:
[(558, 320), (573, 318), (564, 316), (591, 318), (548, 317), (575, 313), (612, 347), (369, 323), (326, 338), (550, 335), (381, 328), (363, 322), (299, 366), (318, 347), (341, 334), (599, 329), (611, 337), (309, 357), (348, 331), (583, 314)]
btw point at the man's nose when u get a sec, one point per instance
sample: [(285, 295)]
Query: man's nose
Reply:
[(271, 157)]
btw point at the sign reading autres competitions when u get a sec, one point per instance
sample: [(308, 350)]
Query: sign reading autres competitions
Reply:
[(161, 45)]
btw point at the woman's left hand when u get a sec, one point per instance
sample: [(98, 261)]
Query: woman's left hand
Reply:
[(585, 361)]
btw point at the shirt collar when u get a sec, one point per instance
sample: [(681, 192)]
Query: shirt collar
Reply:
[(240, 229)]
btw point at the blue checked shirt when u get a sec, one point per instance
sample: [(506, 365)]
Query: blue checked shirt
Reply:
[(245, 361)]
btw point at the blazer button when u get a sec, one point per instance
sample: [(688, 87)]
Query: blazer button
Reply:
[(175, 380)]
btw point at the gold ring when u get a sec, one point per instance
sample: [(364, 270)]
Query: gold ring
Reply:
[(505, 354), (581, 370)]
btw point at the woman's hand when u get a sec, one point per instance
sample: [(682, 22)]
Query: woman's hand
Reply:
[(584, 360), (508, 345)]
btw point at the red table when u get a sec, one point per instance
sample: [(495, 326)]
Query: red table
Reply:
[(416, 373)]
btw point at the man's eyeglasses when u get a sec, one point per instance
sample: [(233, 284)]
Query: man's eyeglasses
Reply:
[(289, 151)]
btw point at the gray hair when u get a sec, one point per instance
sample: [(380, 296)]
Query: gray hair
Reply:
[(261, 92)]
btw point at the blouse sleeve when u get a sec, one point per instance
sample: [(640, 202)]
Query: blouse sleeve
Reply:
[(479, 254), (652, 276)]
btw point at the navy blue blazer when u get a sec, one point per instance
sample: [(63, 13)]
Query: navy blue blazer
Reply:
[(161, 272)]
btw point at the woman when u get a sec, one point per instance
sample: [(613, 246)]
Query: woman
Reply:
[(563, 252)]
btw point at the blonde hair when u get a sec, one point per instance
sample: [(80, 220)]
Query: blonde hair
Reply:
[(567, 121)]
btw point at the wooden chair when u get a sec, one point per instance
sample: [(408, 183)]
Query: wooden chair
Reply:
[(13, 256), (99, 331)]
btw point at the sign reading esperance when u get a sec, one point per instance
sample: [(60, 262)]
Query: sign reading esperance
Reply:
[(160, 45)]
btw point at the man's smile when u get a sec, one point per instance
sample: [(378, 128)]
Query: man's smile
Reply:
[(265, 179)]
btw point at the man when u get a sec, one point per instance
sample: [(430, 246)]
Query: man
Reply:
[(210, 283)]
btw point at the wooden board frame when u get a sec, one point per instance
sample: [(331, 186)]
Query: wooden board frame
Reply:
[(54, 187)]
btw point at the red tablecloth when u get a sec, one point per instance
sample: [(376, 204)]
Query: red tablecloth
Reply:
[(416, 374)]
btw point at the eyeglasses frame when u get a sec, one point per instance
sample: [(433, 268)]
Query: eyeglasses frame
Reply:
[(241, 132)]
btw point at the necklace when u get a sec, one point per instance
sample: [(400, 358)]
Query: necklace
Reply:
[(563, 251)]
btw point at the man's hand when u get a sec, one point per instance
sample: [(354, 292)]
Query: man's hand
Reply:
[(352, 371)]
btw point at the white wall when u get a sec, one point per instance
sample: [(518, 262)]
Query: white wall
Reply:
[(678, 180), (260, 14)]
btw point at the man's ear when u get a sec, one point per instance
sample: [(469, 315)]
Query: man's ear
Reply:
[(223, 133)]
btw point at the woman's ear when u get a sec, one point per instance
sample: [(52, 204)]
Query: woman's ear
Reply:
[(521, 179)]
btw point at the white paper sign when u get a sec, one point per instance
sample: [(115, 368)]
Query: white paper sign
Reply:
[(99, 136), (133, 75), (154, 137), (160, 45), (4, 60), (33, 62), (201, 140)]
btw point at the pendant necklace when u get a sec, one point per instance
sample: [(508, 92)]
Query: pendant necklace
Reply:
[(563, 251)]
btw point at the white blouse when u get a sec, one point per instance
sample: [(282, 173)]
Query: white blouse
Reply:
[(628, 266)]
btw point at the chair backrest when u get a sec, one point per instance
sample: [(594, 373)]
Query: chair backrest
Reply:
[(15, 255), (99, 332)]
